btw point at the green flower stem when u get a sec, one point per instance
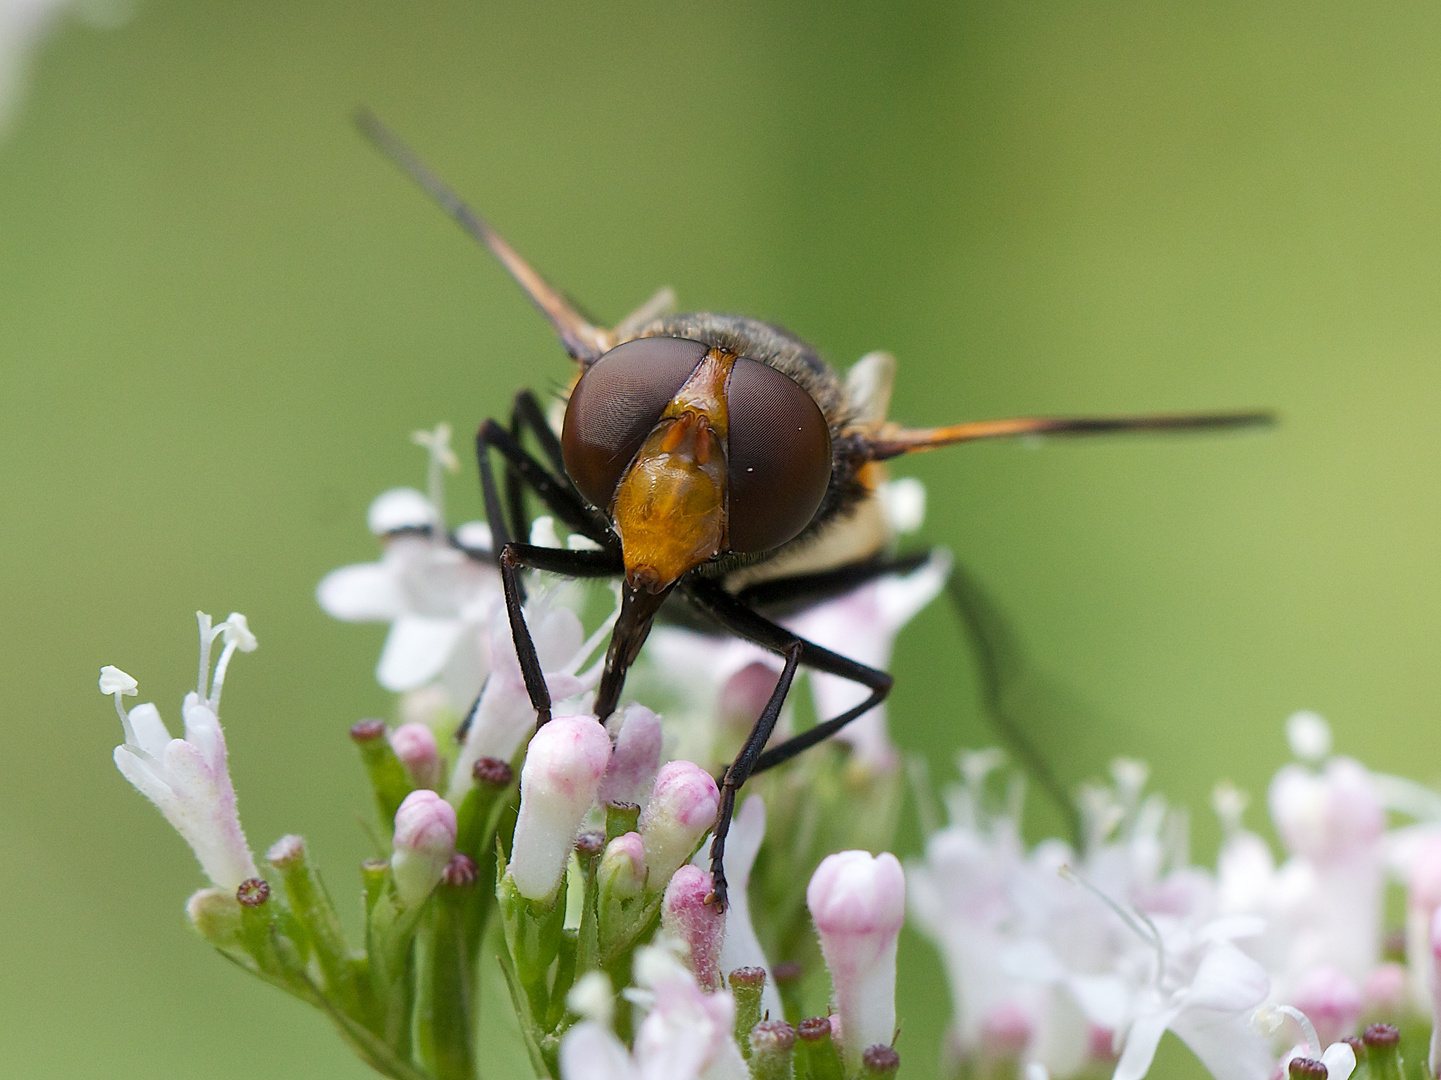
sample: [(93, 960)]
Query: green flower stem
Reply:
[(447, 999), (533, 933), (1383, 1052), (620, 818), (388, 779), (821, 1056), (480, 813), (746, 985), (390, 936), (312, 907)]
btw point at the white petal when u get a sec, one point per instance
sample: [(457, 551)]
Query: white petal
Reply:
[(1340, 1061), (399, 508), (415, 651), (361, 592), (901, 597), (590, 1052), (151, 734), (1228, 980), (1141, 1042), (1225, 1043), (904, 502)]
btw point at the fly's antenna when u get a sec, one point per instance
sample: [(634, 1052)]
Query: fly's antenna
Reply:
[(893, 440), (583, 340)]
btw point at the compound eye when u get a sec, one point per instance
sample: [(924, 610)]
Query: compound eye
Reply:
[(779, 457), (615, 405)]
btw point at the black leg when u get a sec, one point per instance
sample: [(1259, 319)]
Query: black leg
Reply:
[(514, 557), (753, 758), (558, 496), (527, 412), (802, 590)]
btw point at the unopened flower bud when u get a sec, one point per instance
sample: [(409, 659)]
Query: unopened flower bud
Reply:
[(858, 903), (460, 871), (622, 867), (1302, 1068), (682, 808), (415, 746), (878, 1062), (771, 1044), (817, 1041), (286, 852), (492, 772), (1330, 999), (747, 984), (1006, 1028), (215, 914), (1383, 1052), (744, 696), (367, 731), (636, 757), (558, 783), (686, 916), (1383, 993), (424, 842)]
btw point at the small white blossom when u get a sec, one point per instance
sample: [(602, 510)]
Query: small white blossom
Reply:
[(188, 779)]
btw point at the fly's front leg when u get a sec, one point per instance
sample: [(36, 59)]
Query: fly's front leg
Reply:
[(740, 770), (579, 564)]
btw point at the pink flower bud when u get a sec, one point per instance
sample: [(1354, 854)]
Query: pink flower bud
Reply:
[(745, 694), (622, 867), (1331, 1000), (558, 784), (415, 745), (682, 808), (685, 915), (1327, 815), (1384, 991), (1006, 1028), (424, 842), (858, 903), (636, 757), (1423, 875)]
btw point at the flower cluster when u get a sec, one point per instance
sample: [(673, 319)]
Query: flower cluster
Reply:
[(579, 850), (580, 847), (1074, 961)]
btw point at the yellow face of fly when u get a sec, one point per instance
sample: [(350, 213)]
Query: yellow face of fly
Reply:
[(670, 507)]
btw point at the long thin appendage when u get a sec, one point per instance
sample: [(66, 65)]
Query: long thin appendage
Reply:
[(753, 758)]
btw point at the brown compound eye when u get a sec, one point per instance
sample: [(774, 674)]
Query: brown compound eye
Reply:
[(615, 405), (778, 455)]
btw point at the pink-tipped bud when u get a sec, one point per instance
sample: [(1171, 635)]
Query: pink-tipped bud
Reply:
[(681, 810), (415, 745), (424, 842), (558, 783), (366, 731), (745, 694), (1423, 876), (622, 867), (1384, 991), (1327, 815), (858, 903), (1006, 1028), (1332, 1001), (636, 757), (685, 915)]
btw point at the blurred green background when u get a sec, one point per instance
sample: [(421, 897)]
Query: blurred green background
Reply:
[(221, 315)]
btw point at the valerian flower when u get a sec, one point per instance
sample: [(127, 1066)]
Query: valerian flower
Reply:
[(188, 779)]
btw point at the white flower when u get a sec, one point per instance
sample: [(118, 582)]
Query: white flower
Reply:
[(438, 597), (686, 1033), (187, 779), (503, 718), (1206, 992)]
